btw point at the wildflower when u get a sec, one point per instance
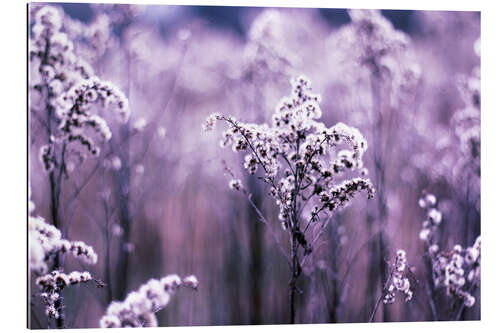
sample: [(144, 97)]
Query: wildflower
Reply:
[(457, 270), (428, 200), (433, 249), (235, 184), (71, 90), (303, 162), (469, 300), (399, 279), (434, 216), (209, 124), (80, 249), (191, 281), (52, 284), (296, 136), (139, 306), (424, 234), (45, 241), (140, 124), (273, 148)]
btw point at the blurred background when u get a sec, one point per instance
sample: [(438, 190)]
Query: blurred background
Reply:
[(156, 200)]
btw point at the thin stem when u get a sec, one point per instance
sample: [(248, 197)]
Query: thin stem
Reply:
[(315, 239), (430, 290), (379, 156), (380, 298), (107, 269), (266, 223), (462, 304), (293, 279), (294, 229)]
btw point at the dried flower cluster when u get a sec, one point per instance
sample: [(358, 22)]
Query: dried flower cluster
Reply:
[(77, 120), (45, 242), (51, 54), (51, 286), (458, 270), (399, 280), (139, 307), (300, 156), (75, 115), (68, 88), (304, 162)]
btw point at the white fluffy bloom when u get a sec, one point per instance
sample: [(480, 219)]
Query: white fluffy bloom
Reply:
[(209, 124), (70, 87), (297, 143), (235, 184), (140, 124), (399, 279), (456, 271), (139, 307), (45, 241), (435, 216), (52, 284)]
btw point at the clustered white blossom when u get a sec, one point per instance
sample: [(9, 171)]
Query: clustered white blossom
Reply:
[(52, 54), (210, 122), (235, 184), (457, 270), (45, 242), (68, 88), (302, 160), (76, 106), (139, 307), (399, 279), (77, 119), (430, 225), (51, 286)]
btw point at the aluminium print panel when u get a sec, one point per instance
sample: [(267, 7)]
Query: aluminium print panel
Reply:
[(207, 165)]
